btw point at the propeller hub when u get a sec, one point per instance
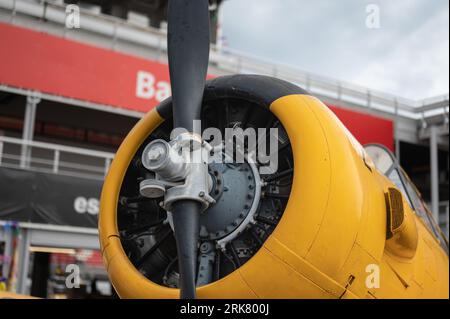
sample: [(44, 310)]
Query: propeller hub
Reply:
[(181, 167), (156, 153)]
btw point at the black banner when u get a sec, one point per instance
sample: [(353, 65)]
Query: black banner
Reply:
[(229, 309), (28, 196)]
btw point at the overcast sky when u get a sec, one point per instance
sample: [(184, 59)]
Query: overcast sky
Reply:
[(407, 56)]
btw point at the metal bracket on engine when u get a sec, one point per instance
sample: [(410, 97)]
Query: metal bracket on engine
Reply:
[(206, 260), (181, 171)]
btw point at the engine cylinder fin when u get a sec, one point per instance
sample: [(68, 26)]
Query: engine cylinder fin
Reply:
[(278, 196), (234, 254), (279, 175), (141, 261)]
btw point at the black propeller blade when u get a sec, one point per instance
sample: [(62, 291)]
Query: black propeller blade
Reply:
[(185, 214), (188, 50)]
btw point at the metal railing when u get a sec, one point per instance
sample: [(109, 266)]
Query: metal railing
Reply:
[(444, 217), (54, 158), (232, 61)]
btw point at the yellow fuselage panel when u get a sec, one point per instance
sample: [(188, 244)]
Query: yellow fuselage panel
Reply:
[(350, 238)]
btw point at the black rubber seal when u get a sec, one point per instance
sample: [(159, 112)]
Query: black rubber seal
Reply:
[(258, 89)]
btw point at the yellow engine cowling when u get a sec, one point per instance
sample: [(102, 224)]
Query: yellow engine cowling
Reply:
[(332, 238)]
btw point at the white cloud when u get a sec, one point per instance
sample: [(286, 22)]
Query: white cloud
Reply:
[(408, 56), (415, 67)]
